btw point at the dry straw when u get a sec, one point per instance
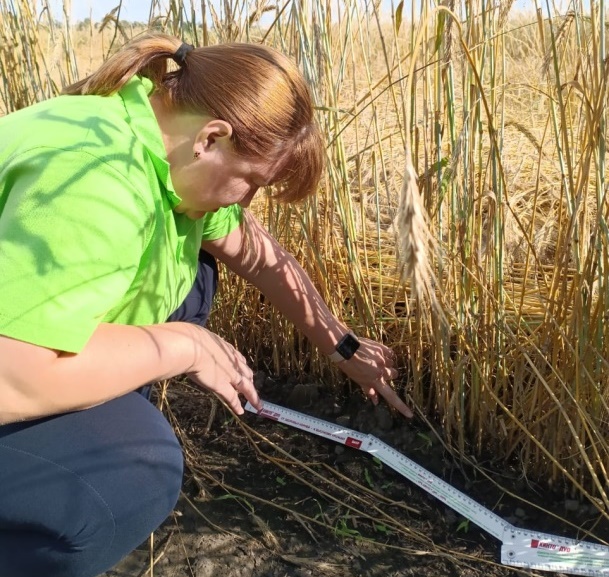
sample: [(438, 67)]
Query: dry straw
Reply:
[(441, 112)]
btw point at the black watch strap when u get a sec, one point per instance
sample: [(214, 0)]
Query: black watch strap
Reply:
[(345, 349)]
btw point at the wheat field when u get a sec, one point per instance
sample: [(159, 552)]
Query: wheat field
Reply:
[(462, 218)]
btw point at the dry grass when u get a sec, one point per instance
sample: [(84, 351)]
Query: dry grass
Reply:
[(504, 118)]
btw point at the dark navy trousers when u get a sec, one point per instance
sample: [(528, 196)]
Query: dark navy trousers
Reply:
[(81, 490)]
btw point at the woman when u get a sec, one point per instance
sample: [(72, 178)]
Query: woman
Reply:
[(115, 200)]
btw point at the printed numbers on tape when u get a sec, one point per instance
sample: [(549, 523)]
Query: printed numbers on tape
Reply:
[(520, 548)]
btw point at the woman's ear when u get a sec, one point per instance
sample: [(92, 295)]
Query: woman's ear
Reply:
[(215, 133)]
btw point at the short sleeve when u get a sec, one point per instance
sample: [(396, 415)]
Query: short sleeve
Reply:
[(222, 222), (72, 234)]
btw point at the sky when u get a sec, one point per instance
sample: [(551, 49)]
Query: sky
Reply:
[(138, 10), (132, 10)]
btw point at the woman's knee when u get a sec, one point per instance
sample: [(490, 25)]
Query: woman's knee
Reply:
[(79, 492), (85, 537), (54, 524)]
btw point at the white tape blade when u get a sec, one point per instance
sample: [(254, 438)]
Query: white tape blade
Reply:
[(331, 431), (440, 489), (522, 548)]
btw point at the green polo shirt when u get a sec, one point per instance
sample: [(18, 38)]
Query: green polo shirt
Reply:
[(87, 228)]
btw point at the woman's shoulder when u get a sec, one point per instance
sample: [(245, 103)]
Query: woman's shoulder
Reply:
[(67, 122)]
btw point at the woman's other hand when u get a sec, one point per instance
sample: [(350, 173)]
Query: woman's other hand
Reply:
[(222, 369), (372, 368)]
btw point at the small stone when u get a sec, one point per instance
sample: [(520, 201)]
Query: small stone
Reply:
[(343, 421), (259, 379), (520, 513), (383, 418), (404, 437), (572, 505), (585, 510), (363, 425), (303, 395), (339, 449), (450, 516)]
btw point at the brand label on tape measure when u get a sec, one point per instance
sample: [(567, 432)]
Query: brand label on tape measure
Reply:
[(520, 548), (523, 548)]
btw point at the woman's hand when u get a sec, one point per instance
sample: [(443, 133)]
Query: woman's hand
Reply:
[(222, 369), (372, 369), (262, 261)]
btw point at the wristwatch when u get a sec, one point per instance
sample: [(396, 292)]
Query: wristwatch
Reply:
[(345, 348)]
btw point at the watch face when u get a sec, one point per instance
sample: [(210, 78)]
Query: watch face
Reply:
[(347, 346)]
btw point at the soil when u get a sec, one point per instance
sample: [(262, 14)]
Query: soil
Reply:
[(264, 500)]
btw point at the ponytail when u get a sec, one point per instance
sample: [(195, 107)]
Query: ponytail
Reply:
[(257, 90), (145, 56)]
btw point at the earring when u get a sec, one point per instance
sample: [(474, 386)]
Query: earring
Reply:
[(197, 154)]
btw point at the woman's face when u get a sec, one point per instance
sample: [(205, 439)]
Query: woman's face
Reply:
[(213, 176)]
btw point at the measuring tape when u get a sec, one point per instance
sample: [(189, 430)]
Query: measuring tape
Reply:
[(520, 548)]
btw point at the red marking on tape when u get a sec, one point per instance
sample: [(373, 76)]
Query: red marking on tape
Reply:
[(269, 414), (537, 544), (351, 442)]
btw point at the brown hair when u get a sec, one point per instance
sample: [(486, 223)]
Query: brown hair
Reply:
[(257, 90)]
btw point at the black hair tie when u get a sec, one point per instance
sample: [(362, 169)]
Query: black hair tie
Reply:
[(179, 55)]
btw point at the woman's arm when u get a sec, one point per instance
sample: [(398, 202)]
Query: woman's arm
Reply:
[(37, 381), (267, 265)]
